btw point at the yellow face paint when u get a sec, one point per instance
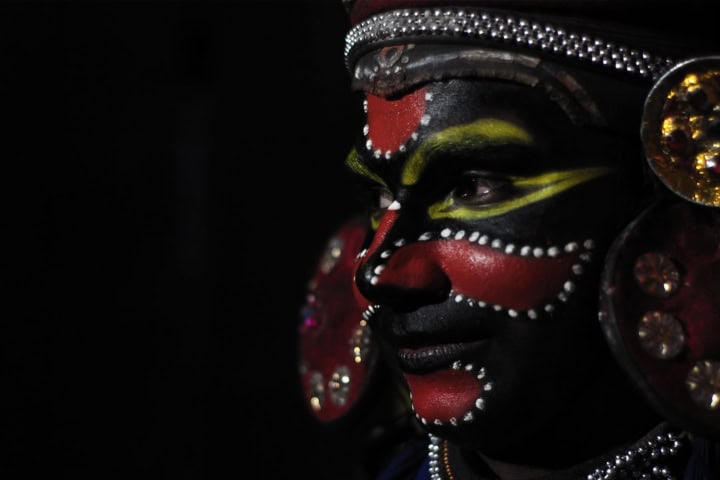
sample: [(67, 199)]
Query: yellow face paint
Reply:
[(475, 136), (482, 133), (353, 161), (532, 189)]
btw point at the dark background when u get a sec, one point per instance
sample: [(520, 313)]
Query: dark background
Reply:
[(169, 174)]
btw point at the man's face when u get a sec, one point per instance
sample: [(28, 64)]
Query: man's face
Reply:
[(492, 214)]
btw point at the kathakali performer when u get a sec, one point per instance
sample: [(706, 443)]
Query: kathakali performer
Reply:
[(538, 271)]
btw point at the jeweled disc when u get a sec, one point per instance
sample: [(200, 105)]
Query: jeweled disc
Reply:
[(681, 130)]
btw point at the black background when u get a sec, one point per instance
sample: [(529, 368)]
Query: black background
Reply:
[(169, 174)]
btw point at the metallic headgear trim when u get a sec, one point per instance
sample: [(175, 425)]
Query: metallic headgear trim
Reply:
[(466, 23)]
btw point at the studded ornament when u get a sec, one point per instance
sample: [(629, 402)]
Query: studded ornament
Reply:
[(336, 355), (660, 310), (681, 130)]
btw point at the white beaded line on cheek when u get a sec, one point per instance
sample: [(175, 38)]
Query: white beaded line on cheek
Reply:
[(509, 249), (377, 153), (369, 312), (478, 406), (524, 251)]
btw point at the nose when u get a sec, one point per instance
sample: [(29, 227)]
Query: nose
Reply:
[(398, 273), (405, 284)]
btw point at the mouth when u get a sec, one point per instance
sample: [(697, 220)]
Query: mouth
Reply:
[(431, 342), (433, 357), (447, 377)]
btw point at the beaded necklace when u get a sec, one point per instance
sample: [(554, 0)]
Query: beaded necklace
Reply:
[(646, 459)]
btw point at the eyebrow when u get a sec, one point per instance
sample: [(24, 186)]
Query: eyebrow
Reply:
[(481, 133), (354, 161)]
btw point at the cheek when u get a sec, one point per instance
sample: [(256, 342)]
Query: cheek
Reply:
[(516, 282), (552, 356), (487, 274), (598, 210)]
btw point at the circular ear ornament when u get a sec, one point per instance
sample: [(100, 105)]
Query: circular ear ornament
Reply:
[(660, 310), (680, 130), (336, 358)]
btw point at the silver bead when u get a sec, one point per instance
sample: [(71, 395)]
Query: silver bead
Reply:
[(387, 25)]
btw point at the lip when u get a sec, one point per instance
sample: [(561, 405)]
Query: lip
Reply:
[(427, 358)]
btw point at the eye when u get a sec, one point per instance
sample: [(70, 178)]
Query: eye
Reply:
[(476, 189)]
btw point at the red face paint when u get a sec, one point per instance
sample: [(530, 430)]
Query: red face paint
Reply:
[(479, 272), (392, 122), (445, 395)]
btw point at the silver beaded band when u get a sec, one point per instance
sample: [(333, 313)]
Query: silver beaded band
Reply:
[(475, 24), (640, 460)]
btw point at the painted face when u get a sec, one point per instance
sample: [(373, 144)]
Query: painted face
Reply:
[(492, 212)]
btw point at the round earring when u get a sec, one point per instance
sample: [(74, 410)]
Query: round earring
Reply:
[(660, 310), (680, 130), (336, 355)]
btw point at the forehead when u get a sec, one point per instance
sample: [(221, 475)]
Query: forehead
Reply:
[(398, 124), (394, 70), (413, 91), (445, 127)]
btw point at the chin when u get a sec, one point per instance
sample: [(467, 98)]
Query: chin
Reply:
[(451, 397)]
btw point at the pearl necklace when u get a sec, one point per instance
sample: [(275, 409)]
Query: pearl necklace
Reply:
[(437, 462), (637, 461)]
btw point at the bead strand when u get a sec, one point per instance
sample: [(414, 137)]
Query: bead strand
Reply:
[(454, 22)]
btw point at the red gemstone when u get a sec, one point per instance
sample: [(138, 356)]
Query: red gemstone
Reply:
[(676, 141)]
